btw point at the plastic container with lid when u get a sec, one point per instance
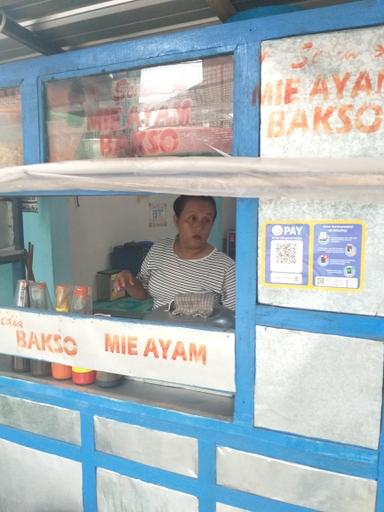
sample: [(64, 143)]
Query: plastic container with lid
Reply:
[(83, 376)]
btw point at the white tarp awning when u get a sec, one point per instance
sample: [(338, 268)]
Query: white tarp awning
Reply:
[(347, 178)]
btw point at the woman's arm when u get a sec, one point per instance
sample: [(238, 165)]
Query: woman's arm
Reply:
[(228, 296), (125, 280)]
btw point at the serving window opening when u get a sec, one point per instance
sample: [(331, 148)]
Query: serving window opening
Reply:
[(107, 235), (122, 238)]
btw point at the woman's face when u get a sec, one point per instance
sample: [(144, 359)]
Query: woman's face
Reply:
[(195, 223)]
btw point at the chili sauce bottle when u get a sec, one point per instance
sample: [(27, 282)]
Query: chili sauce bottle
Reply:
[(62, 296), (81, 304)]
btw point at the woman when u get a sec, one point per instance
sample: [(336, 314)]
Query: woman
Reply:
[(186, 264)]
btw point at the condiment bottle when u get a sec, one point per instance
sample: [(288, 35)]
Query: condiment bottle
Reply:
[(38, 299), (62, 295), (21, 364), (38, 295), (83, 376), (81, 304)]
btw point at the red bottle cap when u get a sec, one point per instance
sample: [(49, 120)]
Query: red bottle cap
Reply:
[(80, 291)]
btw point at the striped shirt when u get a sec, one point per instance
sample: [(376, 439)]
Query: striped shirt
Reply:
[(164, 275)]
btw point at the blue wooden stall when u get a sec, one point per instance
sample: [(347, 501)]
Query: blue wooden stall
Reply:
[(64, 448)]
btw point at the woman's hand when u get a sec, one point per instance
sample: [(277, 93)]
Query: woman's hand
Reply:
[(123, 280), (126, 281)]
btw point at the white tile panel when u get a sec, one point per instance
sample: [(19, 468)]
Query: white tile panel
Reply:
[(34, 481), (319, 385), (46, 420), (293, 483), (119, 493), (162, 450)]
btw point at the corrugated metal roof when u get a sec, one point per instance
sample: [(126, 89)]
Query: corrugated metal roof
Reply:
[(74, 24)]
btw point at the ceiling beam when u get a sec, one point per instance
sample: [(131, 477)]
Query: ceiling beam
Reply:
[(32, 40), (223, 8)]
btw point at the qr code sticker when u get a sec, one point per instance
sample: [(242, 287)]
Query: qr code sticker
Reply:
[(286, 256)]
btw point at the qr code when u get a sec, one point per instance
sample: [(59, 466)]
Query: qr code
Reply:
[(286, 253), (286, 256)]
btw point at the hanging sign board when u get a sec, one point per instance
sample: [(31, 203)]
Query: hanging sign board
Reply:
[(313, 254), (322, 95), (193, 357)]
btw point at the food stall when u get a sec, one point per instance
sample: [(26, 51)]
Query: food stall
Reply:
[(283, 410)]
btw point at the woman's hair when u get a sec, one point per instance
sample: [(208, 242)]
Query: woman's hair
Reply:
[(181, 201)]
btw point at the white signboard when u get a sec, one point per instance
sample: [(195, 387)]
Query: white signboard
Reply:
[(322, 95), (180, 355)]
